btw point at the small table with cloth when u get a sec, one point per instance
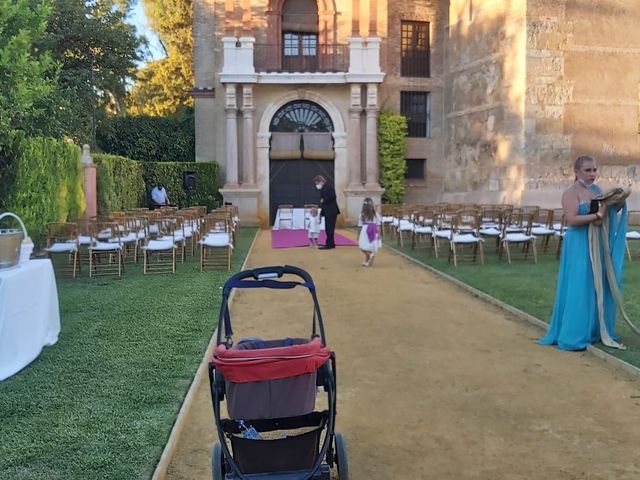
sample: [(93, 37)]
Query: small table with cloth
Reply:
[(29, 314), (297, 223)]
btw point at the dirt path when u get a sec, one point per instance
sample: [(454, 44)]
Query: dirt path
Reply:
[(436, 384)]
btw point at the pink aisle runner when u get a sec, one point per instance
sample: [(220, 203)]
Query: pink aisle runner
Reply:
[(300, 238)]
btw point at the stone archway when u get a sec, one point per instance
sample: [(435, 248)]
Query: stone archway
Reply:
[(301, 148), (263, 146)]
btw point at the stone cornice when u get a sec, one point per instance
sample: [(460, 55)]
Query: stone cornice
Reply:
[(203, 92)]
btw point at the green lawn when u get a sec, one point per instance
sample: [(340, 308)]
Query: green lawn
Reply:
[(531, 287), (100, 403)]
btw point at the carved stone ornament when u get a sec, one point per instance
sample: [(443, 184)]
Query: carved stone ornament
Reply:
[(356, 97), (230, 97), (372, 95), (247, 96)]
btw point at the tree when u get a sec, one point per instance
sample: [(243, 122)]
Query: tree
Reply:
[(98, 52), (29, 97), (163, 86)]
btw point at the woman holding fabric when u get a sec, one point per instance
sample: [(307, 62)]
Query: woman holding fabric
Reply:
[(585, 308)]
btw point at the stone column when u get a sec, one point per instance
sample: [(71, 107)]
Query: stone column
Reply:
[(90, 185), (372, 176), (248, 137), (231, 144), (353, 138)]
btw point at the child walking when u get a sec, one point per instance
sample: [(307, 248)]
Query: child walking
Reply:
[(313, 227), (369, 239)]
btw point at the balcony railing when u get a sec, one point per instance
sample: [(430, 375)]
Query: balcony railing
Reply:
[(317, 59)]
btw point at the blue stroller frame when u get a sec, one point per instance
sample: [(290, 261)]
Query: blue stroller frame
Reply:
[(259, 408)]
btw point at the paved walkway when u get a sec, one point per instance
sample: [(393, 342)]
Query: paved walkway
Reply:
[(434, 383)]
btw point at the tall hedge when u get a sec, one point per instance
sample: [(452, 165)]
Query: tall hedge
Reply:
[(170, 175), (119, 182), (41, 181), (124, 183), (392, 140), (149, 139)]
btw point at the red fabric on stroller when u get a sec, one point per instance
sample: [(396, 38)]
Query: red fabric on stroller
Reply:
[(241, 366)]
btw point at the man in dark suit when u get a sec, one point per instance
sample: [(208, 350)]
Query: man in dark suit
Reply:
[(328, 209)]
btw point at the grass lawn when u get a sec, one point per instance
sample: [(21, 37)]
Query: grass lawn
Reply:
[(531, 287), (100, 403)]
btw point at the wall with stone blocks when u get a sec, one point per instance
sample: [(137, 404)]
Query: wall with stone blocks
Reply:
[(583, 76), (484, 99)]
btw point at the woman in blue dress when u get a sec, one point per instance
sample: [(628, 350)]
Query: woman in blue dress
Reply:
[(575, 320)]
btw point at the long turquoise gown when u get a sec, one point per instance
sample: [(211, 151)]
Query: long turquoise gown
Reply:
[(574, 321)]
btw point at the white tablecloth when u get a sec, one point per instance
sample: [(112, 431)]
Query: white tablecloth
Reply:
[(298, 222), (29, 314)]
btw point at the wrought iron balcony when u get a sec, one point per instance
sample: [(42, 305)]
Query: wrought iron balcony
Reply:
[(322, 58)]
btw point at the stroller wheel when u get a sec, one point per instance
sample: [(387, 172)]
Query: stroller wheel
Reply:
[(341, 457), (217, 468)]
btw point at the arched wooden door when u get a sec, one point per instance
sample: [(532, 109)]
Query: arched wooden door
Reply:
[(295, 161)]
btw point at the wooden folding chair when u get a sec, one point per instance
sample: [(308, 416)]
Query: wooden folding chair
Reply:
[(160, 247), (465, 241), (216, 245), (105, 251), (521, 237), (62, 239)]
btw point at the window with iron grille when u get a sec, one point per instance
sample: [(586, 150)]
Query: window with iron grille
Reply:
[(416, 106), (414, 49), (415, 168)]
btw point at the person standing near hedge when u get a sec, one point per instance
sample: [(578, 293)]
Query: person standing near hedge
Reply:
[(159, 197)]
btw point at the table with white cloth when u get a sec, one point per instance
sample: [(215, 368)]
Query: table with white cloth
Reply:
[(296, 223), (29, 314)]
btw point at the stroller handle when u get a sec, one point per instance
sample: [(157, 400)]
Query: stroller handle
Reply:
[(267, 277), (263, 273)]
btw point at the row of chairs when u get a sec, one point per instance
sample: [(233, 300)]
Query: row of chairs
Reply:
[(162, 236), (470, 225), (466, 227)]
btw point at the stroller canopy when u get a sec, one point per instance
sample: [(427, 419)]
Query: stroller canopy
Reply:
[(259, 364)]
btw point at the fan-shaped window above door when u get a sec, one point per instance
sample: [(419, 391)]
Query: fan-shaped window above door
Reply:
[(301, 129)]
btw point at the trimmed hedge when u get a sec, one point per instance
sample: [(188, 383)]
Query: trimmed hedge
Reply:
[(392, 140), (41, 181), (170, 175), (119, 182), (124, 183), (149, 139)]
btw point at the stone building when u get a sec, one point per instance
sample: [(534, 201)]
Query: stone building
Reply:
[(501, 95)]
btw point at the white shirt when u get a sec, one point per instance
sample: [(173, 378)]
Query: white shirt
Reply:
[(314, 224), (159, 196)]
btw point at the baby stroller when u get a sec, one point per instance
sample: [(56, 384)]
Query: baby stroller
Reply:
[(273, 430)]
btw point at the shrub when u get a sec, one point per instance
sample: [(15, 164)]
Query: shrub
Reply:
[(170, 174), (119, 182), (149, 139), (124, 183), (392, 139), (42, 181)]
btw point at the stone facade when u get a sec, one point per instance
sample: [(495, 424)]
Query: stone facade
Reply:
[(518, 89), (533, 84)]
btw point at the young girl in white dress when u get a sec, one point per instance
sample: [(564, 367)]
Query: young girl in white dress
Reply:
[(369, 239), (313, 227)]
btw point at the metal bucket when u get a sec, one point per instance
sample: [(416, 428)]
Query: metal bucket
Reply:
[(10, 242)]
